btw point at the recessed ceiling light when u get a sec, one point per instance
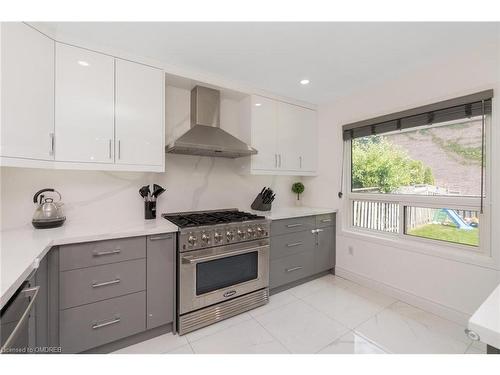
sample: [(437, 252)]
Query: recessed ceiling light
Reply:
[(83, 63), (258, 104), (304, 81)]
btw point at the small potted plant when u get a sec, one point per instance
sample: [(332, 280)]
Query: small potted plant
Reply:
[(298, 188)]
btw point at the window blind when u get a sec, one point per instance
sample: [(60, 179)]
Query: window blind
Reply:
[(448, 110)]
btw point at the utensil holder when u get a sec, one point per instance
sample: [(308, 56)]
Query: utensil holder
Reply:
[(149, 210), (259, 205)]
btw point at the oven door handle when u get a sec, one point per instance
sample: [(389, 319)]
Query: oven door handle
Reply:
[(191, 259), (31, 293)]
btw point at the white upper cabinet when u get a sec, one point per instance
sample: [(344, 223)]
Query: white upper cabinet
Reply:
[(139, 114), (84, 105), (264, 121), (27, 92), (285, 136), (297, 127)]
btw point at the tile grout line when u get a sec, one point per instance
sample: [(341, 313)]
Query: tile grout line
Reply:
[(278, 340)]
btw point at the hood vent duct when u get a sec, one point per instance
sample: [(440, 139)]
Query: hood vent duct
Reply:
[(206, 138)]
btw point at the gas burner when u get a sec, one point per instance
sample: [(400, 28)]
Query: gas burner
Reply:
[(196, 219), (204, 229)]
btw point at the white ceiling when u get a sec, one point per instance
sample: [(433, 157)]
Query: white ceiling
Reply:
[(338, 58)]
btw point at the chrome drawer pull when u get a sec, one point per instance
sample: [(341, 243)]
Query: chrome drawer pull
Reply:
[(101, 253), (97, 285), (294, 244), (293, 269), (294, 225), (105, 324), (326, 220), (159, 238)]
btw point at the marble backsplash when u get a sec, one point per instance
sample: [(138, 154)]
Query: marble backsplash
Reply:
[(192, 183)]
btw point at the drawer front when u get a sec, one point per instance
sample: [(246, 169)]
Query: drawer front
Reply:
[(292, 225), (86, 285), (101, 252), (89, 326), (292, 243), (326, 220), (294, 267)]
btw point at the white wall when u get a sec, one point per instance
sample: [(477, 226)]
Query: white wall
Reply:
[(448, 287), (192, 182)]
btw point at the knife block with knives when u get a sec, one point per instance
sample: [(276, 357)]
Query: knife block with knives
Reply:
[(263, 200)]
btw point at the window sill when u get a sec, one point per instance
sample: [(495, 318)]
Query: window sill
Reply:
[(445, 251)]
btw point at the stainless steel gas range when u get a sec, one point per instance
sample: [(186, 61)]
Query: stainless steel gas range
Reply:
[(222, 265)]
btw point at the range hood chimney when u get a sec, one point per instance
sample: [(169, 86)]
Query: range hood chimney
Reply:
[(206, 138)]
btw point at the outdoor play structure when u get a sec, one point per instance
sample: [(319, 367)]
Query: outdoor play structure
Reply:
[(445, 213)]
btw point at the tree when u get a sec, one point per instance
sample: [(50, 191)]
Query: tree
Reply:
[(377, 163)]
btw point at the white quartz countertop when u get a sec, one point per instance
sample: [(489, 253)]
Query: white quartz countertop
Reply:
[(486, 320), (291, 212), (23, 248)]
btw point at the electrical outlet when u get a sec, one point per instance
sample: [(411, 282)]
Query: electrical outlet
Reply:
[(350, 249)]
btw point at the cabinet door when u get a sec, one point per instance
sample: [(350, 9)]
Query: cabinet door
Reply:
[(264, 114), (297, 142), (139, 114), (324, 253), (84, 105), (308, 150), (289, 136), (160, 280), (27, 86)]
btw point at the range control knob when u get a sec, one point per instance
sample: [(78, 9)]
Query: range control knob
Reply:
[(241, 234), (217, 237), (250, 232), (192, 240), (260, 231), (229, 235), (205, 238)]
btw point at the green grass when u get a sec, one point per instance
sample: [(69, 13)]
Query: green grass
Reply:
[(447, 233)]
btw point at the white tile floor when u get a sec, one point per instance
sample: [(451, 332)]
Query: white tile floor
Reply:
[(327, 315)]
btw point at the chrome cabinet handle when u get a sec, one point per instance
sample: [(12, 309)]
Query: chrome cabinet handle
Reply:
[(52, 143), (294, 244), (326, 220), (110, 148), (294, 269), (101, 253), (28, 293), (159, 238), (105, 324), (300, 162), (275, 160), (316, 230), (279, 160), (294, 225), (97, 285)]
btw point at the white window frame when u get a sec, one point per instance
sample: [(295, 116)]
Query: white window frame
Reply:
[(430, 246)]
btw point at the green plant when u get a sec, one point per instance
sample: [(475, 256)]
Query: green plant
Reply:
[(298, 188), (377, 163)]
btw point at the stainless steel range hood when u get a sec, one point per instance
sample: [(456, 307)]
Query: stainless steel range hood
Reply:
[(205, 137)]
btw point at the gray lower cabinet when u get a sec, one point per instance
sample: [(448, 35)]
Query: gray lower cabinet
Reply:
[(324, 251), (160, 280), (301, 248), (104, 291), (89, 326)]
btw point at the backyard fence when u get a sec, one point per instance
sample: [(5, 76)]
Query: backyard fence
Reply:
[(383, 216)]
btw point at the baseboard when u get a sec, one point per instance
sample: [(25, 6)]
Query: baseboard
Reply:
[(130, 340), (407, 297)]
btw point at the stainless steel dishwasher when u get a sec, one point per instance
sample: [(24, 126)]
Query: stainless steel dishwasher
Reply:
[(17, 320)]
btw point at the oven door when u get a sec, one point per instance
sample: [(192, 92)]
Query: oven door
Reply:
[(220, 273)]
